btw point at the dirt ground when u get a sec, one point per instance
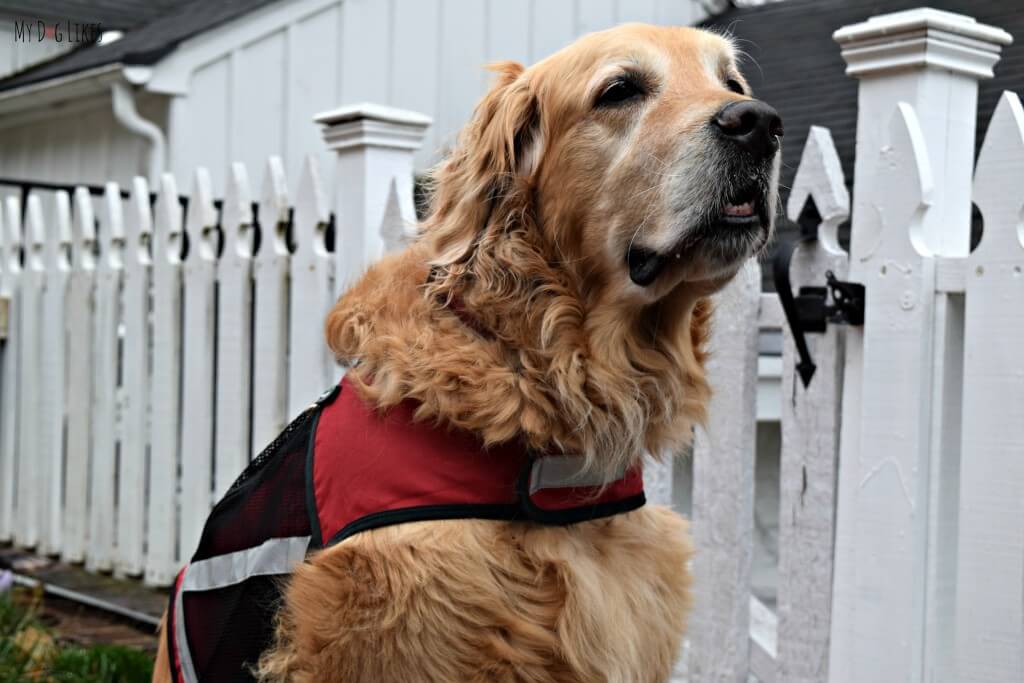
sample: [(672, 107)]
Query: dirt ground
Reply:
[(82, 625)]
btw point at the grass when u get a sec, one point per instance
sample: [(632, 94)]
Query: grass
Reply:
[(32, 653)]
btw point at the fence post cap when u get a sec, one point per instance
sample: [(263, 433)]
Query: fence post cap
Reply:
[(373, 125), (921, 38)]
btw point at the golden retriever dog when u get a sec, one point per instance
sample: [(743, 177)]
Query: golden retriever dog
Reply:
[(590, 207)]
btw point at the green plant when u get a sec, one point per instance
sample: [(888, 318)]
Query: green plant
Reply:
[(113, 663), (29, 653)]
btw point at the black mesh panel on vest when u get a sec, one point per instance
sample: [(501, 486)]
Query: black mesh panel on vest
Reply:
[(267, 501), (229, 628)]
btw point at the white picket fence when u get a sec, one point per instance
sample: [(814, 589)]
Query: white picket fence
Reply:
[(138, 378), (123, 353)]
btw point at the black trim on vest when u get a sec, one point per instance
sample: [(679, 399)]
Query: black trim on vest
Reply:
[(505, 512), (172, 651), (316, 539), (582, 514), (425, 513)]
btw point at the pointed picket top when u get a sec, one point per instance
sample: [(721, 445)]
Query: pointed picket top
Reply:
[(201, 220), (999, 179), (168, 228), (820, 177), (273, 211), (58, 240), (903, 186), (84, 252), (139, 232), (236, 217), (35, 235), (311, 213), (113, 237), (393, 226), (12, 238)]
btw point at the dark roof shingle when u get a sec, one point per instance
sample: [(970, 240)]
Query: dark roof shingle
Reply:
[(144, 45), (110, 14)]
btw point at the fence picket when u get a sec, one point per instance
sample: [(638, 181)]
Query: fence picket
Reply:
[(79, 302), (200, 273), (30, 467), (234, 332), (135, 378), (104, 386), (164, 547), (270, 312), (810, 431), (126, 468), (10, 287), (51, 432), (311, 367), (884, 511), (990, 567), (399, 217), (723, 488)]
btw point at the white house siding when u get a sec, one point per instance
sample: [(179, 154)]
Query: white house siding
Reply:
[(15, 56), (254, 85), (76, 142)]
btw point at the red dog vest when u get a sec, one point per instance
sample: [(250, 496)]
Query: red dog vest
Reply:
[(338, 469)]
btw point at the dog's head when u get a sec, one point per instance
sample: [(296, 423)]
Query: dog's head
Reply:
[(589, 207), (637, 154)]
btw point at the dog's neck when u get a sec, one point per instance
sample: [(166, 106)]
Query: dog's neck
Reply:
[(547, 373)]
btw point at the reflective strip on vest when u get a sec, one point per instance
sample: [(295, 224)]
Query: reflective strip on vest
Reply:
[(564, 471), (275, 556)]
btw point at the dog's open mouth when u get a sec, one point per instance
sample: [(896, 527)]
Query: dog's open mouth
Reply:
[(729, 235), (742, 209)]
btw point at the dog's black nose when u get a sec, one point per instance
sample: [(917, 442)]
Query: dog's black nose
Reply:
[(751, 124)]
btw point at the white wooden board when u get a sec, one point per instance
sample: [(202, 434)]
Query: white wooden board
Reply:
[(198, 366), (990, 572), (234, 333)]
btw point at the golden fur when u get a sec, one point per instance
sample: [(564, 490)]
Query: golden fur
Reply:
[(531, 216)]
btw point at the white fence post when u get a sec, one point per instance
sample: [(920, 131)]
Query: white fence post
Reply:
[(723, 488), (30, 468), (135, 421), (80, 307), (810, 431), (10, 286), (164, 545), (198, 362), (311, 368), (270, 310), (990, 574), (375, 147), (58, 242), (894, 559), (234, 332)]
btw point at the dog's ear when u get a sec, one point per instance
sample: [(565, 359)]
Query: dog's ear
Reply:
[(487, 177)]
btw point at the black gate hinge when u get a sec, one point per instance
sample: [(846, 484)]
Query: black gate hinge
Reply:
[(810, 311)]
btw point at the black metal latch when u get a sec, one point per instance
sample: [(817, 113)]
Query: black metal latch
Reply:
[(811, 310)]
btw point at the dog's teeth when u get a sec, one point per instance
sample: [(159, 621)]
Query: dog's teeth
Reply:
[(744, 209)]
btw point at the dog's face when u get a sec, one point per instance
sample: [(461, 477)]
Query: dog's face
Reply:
[(650, 163), (590, 205)]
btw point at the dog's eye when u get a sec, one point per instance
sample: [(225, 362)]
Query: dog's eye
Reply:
[(618, 91), (734, 85)]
